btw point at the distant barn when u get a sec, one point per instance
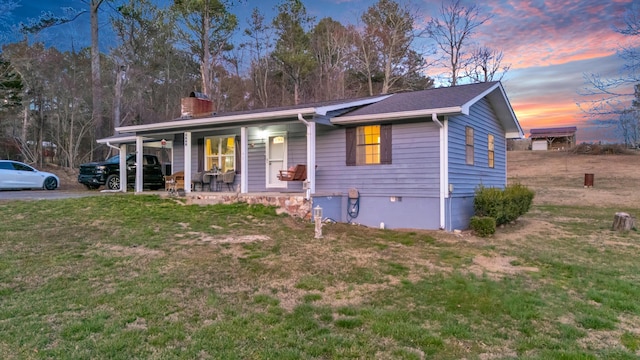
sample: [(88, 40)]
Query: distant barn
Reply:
[(559, 138)]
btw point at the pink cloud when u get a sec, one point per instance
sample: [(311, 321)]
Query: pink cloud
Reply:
[(546, 33)]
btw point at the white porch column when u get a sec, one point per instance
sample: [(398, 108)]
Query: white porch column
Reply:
[(123, 168), (187, 162), (139, 178), (244, 161), (311, 156)]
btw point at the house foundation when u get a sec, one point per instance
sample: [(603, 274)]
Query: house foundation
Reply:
[(295, 205)]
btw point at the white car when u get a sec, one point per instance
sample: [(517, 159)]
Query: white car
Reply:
[(17, 175)]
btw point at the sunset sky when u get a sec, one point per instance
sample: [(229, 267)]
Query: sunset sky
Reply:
[(549, 44)]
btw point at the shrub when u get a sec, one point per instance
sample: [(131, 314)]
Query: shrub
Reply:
[(489, 202), (503, 205), (517, 201), (483, 225)]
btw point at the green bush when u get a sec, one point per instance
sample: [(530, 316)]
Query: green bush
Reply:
[(489, 202), (483, 225), (518, 199), (505, 205)]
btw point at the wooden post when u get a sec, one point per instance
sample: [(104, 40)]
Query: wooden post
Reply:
[(623, 222)]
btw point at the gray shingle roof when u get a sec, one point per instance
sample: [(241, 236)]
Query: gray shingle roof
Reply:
[(425, 99)]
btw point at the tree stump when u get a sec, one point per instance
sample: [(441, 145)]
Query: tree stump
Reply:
[(623, 222)]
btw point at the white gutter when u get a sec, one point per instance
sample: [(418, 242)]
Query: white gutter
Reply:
[(513, 135), (311, 156), (188, 123), (112, 146), (443, 167), (120, 139), (396, 115)]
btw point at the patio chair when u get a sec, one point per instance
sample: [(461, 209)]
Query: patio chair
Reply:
[(228, 178), (297, 173), (174, 182), (199, 179)]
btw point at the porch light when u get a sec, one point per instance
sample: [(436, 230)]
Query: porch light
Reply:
[(263, 134)]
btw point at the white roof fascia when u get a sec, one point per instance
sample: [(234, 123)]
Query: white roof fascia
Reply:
[(466, 106), (182, 124), (513, 115), (396, 115), (117, 140), (323, 110)]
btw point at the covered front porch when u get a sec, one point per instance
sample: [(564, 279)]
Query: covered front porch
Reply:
[(254, 154)]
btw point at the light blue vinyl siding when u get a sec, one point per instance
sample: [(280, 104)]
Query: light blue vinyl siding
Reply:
[(177, 163), (414, 171), (412, 179), (466, 178), (459, 210), (296, 154)]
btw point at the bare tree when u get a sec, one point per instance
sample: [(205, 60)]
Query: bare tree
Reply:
[(452, 32), (47, 20), (259, 45), (96, 79), (331, 45), (629, 122), (365, 59), (145, 63), (618, 98), (486, 65), (390, 28), (57, 111)]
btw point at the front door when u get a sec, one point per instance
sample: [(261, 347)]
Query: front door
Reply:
[(276, 159)]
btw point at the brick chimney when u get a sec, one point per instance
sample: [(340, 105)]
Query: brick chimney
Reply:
[(197, 104)]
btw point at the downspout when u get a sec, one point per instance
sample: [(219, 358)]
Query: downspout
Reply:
[(311, 156), (434, 117), (112, 146)]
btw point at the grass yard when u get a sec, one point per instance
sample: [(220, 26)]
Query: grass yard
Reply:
[(124, 276)]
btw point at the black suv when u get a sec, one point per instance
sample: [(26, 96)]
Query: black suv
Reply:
[(107, 173)]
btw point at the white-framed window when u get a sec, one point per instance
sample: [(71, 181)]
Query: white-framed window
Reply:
[(491, 147), (469, 145), (220, 152), (368, 145)]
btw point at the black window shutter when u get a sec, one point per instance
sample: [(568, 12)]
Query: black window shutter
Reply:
[(200, 154), (238, 157), (351, 146), (385, 144)]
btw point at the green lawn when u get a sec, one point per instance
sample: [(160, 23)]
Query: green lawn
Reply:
[(126, 276)]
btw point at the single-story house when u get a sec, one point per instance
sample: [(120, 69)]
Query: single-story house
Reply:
[(408, 160), (556, 138)]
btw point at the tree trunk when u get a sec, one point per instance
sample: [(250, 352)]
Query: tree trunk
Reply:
[(623, 222), (207, 81), (117, 101), (25, 123), (96, 82)]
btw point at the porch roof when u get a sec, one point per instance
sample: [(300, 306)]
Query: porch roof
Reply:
[(251, 116)]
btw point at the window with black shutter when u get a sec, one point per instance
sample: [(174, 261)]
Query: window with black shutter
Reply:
[(368, 145)]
